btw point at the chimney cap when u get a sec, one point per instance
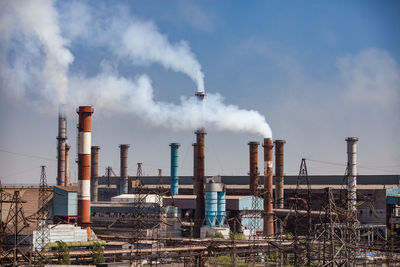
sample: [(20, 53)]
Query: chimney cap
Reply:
[(253, 143), (85, 109)]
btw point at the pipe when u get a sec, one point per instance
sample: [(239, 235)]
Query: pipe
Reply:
[(268, 193), (352, 172), (279, 173), (174, 168), (94, 173), (84, 142), (61, 140), (200, 208), (123, 180), (253, 184), (67, 147)]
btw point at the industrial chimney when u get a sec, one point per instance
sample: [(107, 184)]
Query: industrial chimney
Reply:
[(194, 168), (279, 173), (123, 180), (268, 193), (200, 205), (94, 182), (61, 140), (84, 143), (253, 174), (67, 147), (352, 172), (174, 168)]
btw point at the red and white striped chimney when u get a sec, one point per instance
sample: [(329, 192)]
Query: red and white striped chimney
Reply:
[(84, 144)]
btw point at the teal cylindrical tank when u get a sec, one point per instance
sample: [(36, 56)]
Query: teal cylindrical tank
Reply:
[(211, 208), (221, 208), (174, 168)]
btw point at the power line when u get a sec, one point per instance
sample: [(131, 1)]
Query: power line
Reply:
[(358, 166), (25, 155)]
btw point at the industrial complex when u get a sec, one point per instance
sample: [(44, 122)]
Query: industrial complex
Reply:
[(264, 219)]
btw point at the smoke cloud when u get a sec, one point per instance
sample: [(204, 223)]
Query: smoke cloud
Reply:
[(35, 62), (34, 54)]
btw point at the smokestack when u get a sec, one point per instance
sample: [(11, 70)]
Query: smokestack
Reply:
[(67, 147), (194, 168), (200, 205), (352, 171), (94, 173), (268, 201), (123, 180), (253, 175), (84, 142), (61, 140), (279, 173), (174, 168)]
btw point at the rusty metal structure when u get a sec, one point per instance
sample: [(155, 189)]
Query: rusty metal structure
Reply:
[(94, 173), (123, 182), (268, 189), (61, 141), (199, 181), (253, 173), (279, 173), (194, 168), (84, 152), (67, 148)]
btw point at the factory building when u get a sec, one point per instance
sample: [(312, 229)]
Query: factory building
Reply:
[(258, 206)]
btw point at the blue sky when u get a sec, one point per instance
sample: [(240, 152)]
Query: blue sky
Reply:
[(318, 71)]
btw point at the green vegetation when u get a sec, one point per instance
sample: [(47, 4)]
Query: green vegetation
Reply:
[(227, 260), (216, 235), (63, 253), (97, 253), (237, 236), (223, 260)]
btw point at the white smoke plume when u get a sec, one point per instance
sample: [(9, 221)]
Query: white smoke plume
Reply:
[(29, 32), (35, 55), (177, 57)]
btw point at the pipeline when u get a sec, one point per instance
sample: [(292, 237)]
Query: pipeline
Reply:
[(84, 143)]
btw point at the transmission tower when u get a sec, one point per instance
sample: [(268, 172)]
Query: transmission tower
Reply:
[(16, 222), (138, 214), (109, 172), (255, 224), (43, 233), (302, 202)]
